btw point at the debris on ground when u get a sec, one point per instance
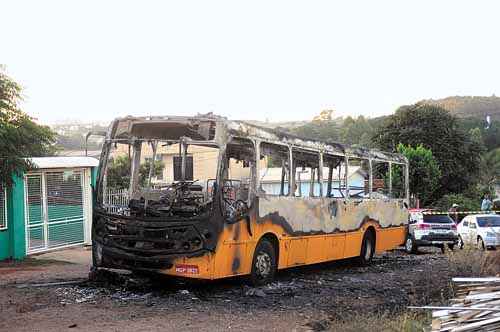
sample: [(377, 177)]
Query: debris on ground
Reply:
[(491, 265), (310, 298), (476, 307), (255, 292)]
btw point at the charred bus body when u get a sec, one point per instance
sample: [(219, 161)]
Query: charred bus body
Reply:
[(214, 210)]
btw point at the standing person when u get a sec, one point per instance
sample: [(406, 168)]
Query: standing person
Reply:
[(486, 204), (453, 212)]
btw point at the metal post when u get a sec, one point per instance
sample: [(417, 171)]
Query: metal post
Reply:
[(257, 166), (330, 179), (154, 145), (370, 179), (282, 186), (311, 182), (346, 176), (320, 174), (390, 179), (45, 211), (407, 181), (136, 163), (292, 173), (183, 158)]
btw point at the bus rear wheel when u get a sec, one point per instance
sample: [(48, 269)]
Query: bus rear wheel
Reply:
[(367, 249), (264, 264)]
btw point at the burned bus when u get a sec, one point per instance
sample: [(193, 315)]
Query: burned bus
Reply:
[(205, 197)]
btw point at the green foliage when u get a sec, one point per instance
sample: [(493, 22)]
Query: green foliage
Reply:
[(20, 136), (356, 131), (456, 153), (119, 170), (322, 130), (424, 172), (348, 131), (465, 203), (490, 168), (490, 135)]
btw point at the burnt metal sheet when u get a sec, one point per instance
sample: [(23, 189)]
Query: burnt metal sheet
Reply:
[(306, 215)]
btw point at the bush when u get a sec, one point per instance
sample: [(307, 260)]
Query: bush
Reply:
[(464, 202)]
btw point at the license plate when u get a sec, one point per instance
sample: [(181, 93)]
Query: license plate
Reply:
[(440, 231), (186, 269)]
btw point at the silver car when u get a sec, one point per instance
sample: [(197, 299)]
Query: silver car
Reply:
[(481, 230)]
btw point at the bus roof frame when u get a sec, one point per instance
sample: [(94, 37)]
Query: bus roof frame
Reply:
[(225, 129)]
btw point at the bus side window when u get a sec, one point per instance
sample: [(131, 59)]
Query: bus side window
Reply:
[(306, 169), (334, 176), (274, 170), (381, 180), (237, 178), (359, 177)]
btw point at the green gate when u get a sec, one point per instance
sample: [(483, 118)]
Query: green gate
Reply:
[(55, 209)]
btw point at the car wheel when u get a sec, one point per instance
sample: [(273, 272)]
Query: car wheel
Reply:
[(460, 243), (410, 246), (264, 264), (367, 249), (480, 244)]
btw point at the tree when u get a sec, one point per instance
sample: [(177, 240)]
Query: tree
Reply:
[(356, 131), (20, 136), (490, 168), (327, 130), (456, 153), (119, 169), (424, 172)]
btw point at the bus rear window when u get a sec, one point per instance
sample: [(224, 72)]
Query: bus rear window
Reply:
[(437, 219)]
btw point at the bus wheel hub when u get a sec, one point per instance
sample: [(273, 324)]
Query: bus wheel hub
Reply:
[(263, 264)]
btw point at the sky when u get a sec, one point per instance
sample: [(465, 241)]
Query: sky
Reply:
[(264, 60)]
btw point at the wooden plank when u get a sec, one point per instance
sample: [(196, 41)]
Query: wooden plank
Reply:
[(470, 327)]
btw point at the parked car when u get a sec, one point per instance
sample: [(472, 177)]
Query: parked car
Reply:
[(430, 230), (481, 230)]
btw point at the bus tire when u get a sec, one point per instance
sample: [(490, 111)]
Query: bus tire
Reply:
[(367, 249), (264, 263)]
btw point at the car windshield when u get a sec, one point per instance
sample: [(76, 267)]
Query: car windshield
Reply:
[(493, 221), (437, 219)]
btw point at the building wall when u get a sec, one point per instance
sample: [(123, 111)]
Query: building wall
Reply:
[(5, 235), (13, 240)]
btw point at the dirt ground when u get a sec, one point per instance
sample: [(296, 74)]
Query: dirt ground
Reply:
[(306, 298)]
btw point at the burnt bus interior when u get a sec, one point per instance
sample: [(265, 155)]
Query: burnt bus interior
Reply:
[(184, 196), (174, 167)]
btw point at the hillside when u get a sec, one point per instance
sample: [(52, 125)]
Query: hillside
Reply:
[(464, 107)]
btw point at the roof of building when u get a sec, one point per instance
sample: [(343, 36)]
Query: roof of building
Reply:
[(79, 153), (64, 162)]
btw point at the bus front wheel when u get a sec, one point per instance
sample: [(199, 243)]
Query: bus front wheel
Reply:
[(367, 249), (264, 263)]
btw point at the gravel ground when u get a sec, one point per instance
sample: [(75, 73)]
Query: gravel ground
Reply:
[(307, 298)]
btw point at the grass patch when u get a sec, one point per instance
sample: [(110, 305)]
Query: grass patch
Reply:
[(403, 322)]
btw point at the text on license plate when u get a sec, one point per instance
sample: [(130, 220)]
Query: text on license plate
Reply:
[(187, 269)]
